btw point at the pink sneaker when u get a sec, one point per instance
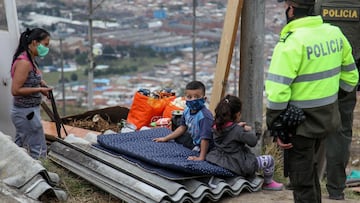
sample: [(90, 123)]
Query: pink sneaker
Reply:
[(273, 186)]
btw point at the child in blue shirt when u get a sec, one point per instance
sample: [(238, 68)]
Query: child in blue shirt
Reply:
[(194, 130)]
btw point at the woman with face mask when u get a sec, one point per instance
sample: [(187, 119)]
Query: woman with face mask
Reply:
[(27, 89)]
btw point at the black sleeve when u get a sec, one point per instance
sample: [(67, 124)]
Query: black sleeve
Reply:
[(271, 115)]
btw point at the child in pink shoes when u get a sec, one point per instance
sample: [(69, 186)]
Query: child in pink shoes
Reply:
[(273, 186), (266, 163), (232, 139)]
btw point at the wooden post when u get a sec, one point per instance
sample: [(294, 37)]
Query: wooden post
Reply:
[(224, 58), (251, 83)]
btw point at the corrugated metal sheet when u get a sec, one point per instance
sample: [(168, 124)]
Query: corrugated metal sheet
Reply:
[(131, 183), (25, 177), (11, 195)]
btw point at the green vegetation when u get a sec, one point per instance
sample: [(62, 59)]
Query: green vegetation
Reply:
[(70, 110), (116, 67), (78, 189), (53, 78)]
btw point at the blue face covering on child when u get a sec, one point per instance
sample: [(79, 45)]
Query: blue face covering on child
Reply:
[(196, 104)]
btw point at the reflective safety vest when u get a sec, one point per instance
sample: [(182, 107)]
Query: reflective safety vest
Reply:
[(309, 64)]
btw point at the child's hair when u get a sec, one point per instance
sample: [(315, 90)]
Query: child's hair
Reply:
[(26, 38), (195, 85), (226, 111)]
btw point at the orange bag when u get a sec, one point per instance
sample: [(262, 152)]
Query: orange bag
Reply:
[(176, 104), (169, 109), (144, 108)]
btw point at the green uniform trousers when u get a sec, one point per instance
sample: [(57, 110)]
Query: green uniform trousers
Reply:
[(337, 145), (303, 169)]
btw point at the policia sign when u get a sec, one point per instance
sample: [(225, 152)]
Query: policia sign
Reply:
[(344, 14)]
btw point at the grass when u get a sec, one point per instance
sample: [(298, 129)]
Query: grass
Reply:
[(78, 189), (70, 110), (142, 64)]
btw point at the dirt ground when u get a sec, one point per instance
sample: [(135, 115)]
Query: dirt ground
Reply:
[(284, 196)]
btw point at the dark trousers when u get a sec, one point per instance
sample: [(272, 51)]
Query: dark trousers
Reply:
[(338, 145), (303, 169), (186, 140)]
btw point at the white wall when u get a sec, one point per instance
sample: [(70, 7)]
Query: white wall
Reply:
[(9, 40)]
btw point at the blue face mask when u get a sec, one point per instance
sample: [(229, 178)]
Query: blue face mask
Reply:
[(42, 50), (196, 104)]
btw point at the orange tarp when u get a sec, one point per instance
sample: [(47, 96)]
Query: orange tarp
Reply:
[(51, 133)]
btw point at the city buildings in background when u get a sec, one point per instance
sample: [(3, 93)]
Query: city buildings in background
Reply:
[(164, 27)]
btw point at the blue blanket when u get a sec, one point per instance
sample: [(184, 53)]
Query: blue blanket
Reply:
[(171, 155), (164, 172)]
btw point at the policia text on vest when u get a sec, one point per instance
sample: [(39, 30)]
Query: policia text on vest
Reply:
[(324, 48), (345, 14)]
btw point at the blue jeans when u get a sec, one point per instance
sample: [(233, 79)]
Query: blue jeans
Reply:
[(29, 130)]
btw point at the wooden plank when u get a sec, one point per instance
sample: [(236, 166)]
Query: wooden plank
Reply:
[(51, 134), (231, 23)]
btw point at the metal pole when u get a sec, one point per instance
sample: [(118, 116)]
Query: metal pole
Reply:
[(91, 59), (62, 77), (193, 39)]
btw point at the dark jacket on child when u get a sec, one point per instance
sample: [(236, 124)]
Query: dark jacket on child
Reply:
[(231, 151)]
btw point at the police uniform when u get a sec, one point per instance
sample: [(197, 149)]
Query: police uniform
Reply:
[(309, 64), (344, 14)]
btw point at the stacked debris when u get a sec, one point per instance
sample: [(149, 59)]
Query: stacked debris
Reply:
[(99, 120), (96, 123)]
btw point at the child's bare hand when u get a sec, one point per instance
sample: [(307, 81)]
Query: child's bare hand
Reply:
[(246, 127), (195, 158), (160, 139), (242, 124)]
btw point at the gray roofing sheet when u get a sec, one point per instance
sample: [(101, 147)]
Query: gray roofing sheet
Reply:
[(132, 183), (23, 178)]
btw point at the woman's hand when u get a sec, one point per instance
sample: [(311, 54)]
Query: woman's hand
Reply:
[(43, 83), (45, 91)]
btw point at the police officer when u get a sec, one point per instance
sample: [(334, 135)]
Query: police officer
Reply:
[(311, 61), (345, 15)]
